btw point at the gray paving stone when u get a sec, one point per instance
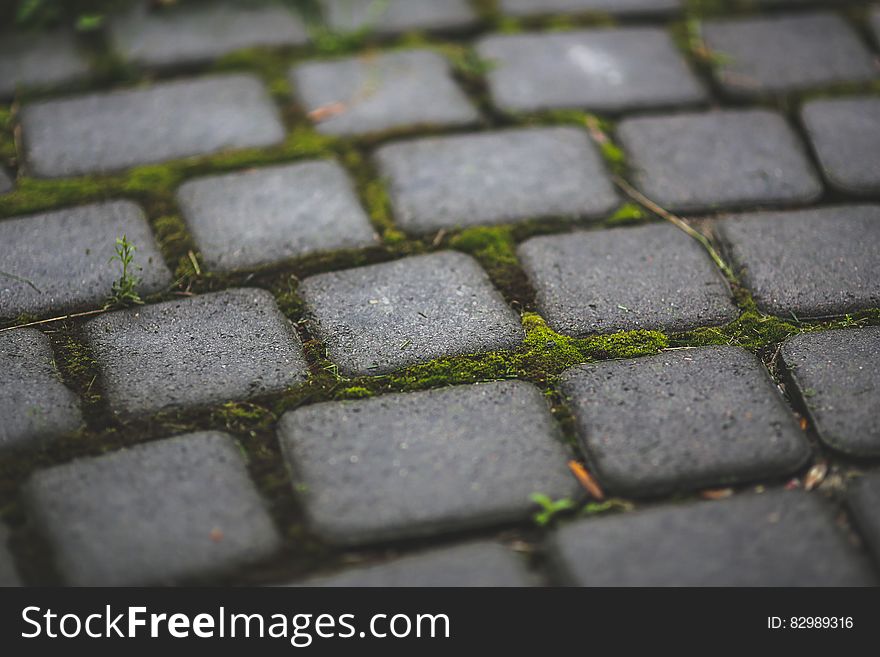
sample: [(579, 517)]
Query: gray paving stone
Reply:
[(614, 7), (199, 33), (175, 509), (383, 317), (648, 277), (469, 565), (683, 420), (378, 93), (608, 70), (261, 216), (781, 54), (845, 134), (35, 406), (864, 501), (395, 16), (811, 263), (40, 60), (875, 22), (6, 183), (497, 177), (774, 539), (201, 350), (66, 254), (838, 376), (104, 132), (709, 160), (8, 574), (422, 463)]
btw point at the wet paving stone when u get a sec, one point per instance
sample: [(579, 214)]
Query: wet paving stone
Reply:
[(715, 160), (189, 506), (837, 374), (647, 277), (683, 420), (46, 60), (423, 463), (863, 499), (613, 7), (493, 178), (395, 16), (207, 349), (8, 573), (6, 183), (263, 216), (810, 263), (775, 539), (383, 317)]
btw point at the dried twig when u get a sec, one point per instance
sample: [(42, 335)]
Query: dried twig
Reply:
[(88, 313)]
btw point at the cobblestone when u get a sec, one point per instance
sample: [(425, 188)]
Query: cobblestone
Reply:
[(6, 183), (8, 574), (614, 7), (40, 61), (395, 16), (864, 501)]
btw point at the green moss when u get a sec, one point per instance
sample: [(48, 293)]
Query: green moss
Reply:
[(494, 246), (7, 139), (628, 213), (354, 392)]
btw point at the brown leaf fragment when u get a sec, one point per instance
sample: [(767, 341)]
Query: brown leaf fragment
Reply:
[(327, 111), (816, 475), (716, 493), (586, 480)]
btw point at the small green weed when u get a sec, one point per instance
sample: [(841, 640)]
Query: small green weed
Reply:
[(550, 508), (124, 292)]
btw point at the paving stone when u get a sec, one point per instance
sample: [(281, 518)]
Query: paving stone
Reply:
[(469, 565), (421, 463), (104, 132), (8, 574), (608, 70), (722, 159), (378, 93), (200, 33), (845, 133), (683, 420), (6, 183), (395, 16), (62, 259), (864, 501), (40, 60), (774, 539), (35, 406), (647, 277), (781, 54), (201, 350), (259, 217), (875, 22), (383, 317), (812, 263), (493, 178), (157, 513), (838, 376), (614, 7)]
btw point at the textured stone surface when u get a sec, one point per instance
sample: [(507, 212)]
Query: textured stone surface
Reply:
[(845, 134), (40, 60), (774, 539), (781, 54), (838, 376), (470, 565), (34, 404), (66, 254), (203, 32), (497, 177), (808, 262), (377, 93), (393, 16), (261, 216), (426, 462), (864, 501), (608, 70), (6, 183), (875, 22), (614, 7), (103, 132), (693, 162), (647, 277), (379, 318), (8, 574), (683, 420), (153, 514), (201, 350)]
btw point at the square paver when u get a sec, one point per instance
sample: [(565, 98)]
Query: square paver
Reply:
[(683, 420), (423, 463), (380, 93), (108, 131), (40, 60), (705, 161), (875, 23), (647, 277), (395, 16), (61, 259), (383, 317), (781, 54), (774, 539), (845, 134), (838, 376), (614, 7), (8, 573), (494, 178), (6, 183), (262, 216), (199, 33), (608, 70), (811, 263), (34, 404), (201, 350), (863, 498), (175, 509)]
